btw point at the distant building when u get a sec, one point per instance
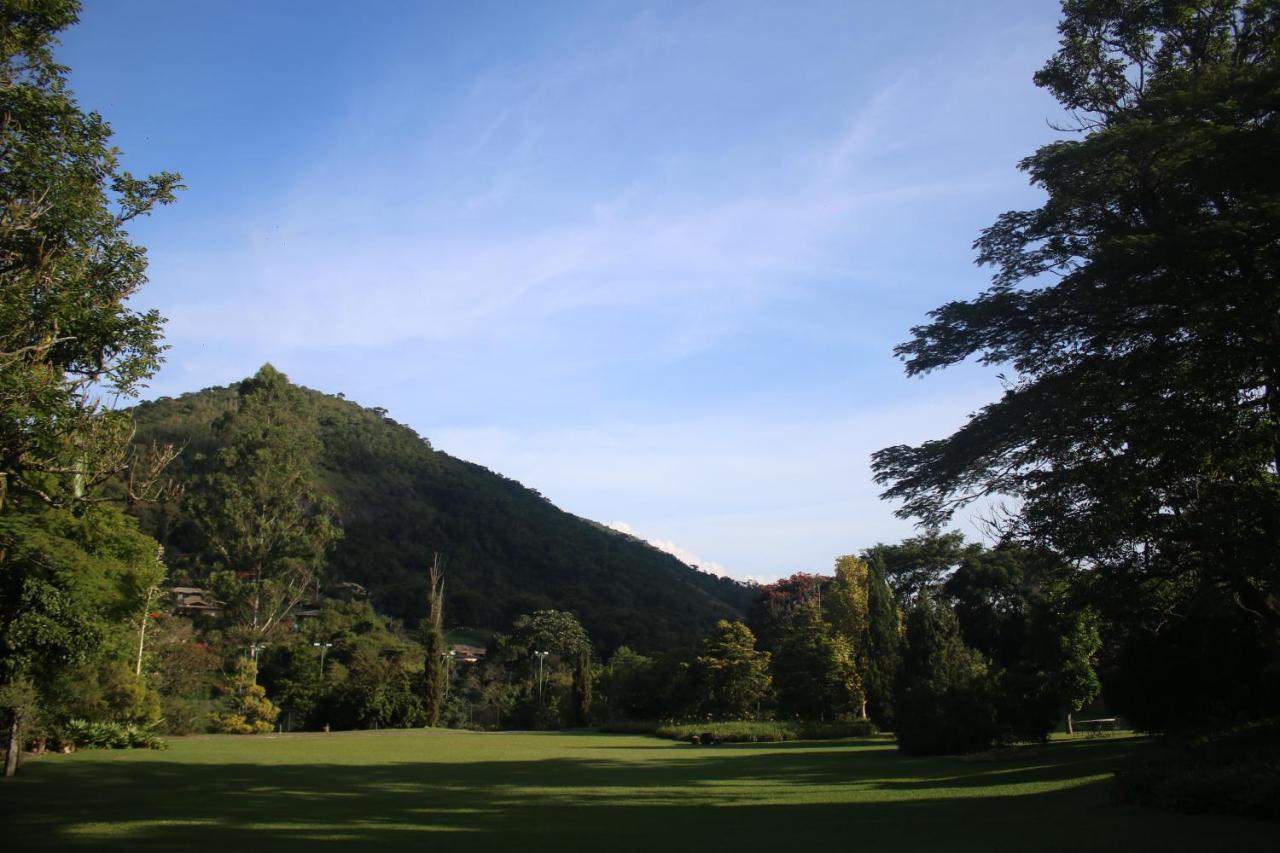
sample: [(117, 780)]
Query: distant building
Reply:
[(468, 654), (190, 600)]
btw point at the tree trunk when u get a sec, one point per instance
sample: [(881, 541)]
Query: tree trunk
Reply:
[(15, 746)]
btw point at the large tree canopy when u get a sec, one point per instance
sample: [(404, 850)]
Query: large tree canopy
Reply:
[(1137, 308), (67, 268), (260, 509), (68, 571)]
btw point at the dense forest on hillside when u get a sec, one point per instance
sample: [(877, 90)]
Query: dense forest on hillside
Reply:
[(507, 549)]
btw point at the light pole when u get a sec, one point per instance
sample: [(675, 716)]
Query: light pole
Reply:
[(323, 647), (541, 657), (448, 669)]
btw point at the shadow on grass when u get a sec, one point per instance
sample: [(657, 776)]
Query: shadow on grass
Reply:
[(839, 795)]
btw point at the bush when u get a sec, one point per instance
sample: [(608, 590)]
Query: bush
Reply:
[(769, 731), (102, 734), (246, 708)]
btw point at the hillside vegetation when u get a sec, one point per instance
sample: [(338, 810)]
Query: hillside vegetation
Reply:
[(507, 549)]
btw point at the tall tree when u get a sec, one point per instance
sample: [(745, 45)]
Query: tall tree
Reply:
[(848, 609), (552, 647), (943, 697), (1137, 309), (1015, 605), (436, 653), (776, 605), (814, 672), (67, 335), (584, 677), (729, 679), (67, 269), (261, 510), (883, 648)]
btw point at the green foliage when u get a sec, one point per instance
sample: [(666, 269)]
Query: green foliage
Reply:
[(1178, 658), (181, 668), (630, 687), (584, 677), (775, 606), (548, 654), (814, 672), (70, 595), (67, 269), (920, 564), (729, 679), (103, 690), (245, 706), (881, 653), (734, 731), (554, 631), (847, 599), (1139, 430), (373, 672), (104, 734), (769, 731), (376, 687), (1015, 606), (510, 551), (944, 700), (264, 521)]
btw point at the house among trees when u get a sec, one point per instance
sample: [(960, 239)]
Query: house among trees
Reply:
[(190, 600), (468, 654)]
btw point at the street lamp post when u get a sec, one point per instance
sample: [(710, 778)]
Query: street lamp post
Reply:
[(541, 657), (449, 657), (323, 647)]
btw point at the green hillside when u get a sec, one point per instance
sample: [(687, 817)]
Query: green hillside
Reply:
[(507, 549)]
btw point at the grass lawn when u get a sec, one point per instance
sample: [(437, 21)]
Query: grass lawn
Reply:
[(438, 791)]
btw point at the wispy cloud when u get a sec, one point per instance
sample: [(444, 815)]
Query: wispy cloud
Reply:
[(644, 271), (733, 491)]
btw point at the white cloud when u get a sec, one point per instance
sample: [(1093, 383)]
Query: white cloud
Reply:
[(683, 555)]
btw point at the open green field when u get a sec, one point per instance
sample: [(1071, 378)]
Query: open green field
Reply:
[(441, 790)]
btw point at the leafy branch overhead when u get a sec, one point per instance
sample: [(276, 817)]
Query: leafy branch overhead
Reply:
[(1138, 308), (67, 270)]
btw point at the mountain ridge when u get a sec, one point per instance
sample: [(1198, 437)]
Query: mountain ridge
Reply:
[(508, 549)]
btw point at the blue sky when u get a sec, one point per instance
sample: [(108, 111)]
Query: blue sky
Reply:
[(650, 259)]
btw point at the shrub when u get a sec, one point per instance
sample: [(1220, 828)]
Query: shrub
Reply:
[(103, 734), (246, 708), (768, 731)]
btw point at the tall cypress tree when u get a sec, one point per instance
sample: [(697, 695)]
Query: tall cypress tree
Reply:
[(882, 651), (943, 699), (582, 686), (847, 611)]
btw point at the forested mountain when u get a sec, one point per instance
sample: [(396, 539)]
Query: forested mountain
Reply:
[(507, 549)]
